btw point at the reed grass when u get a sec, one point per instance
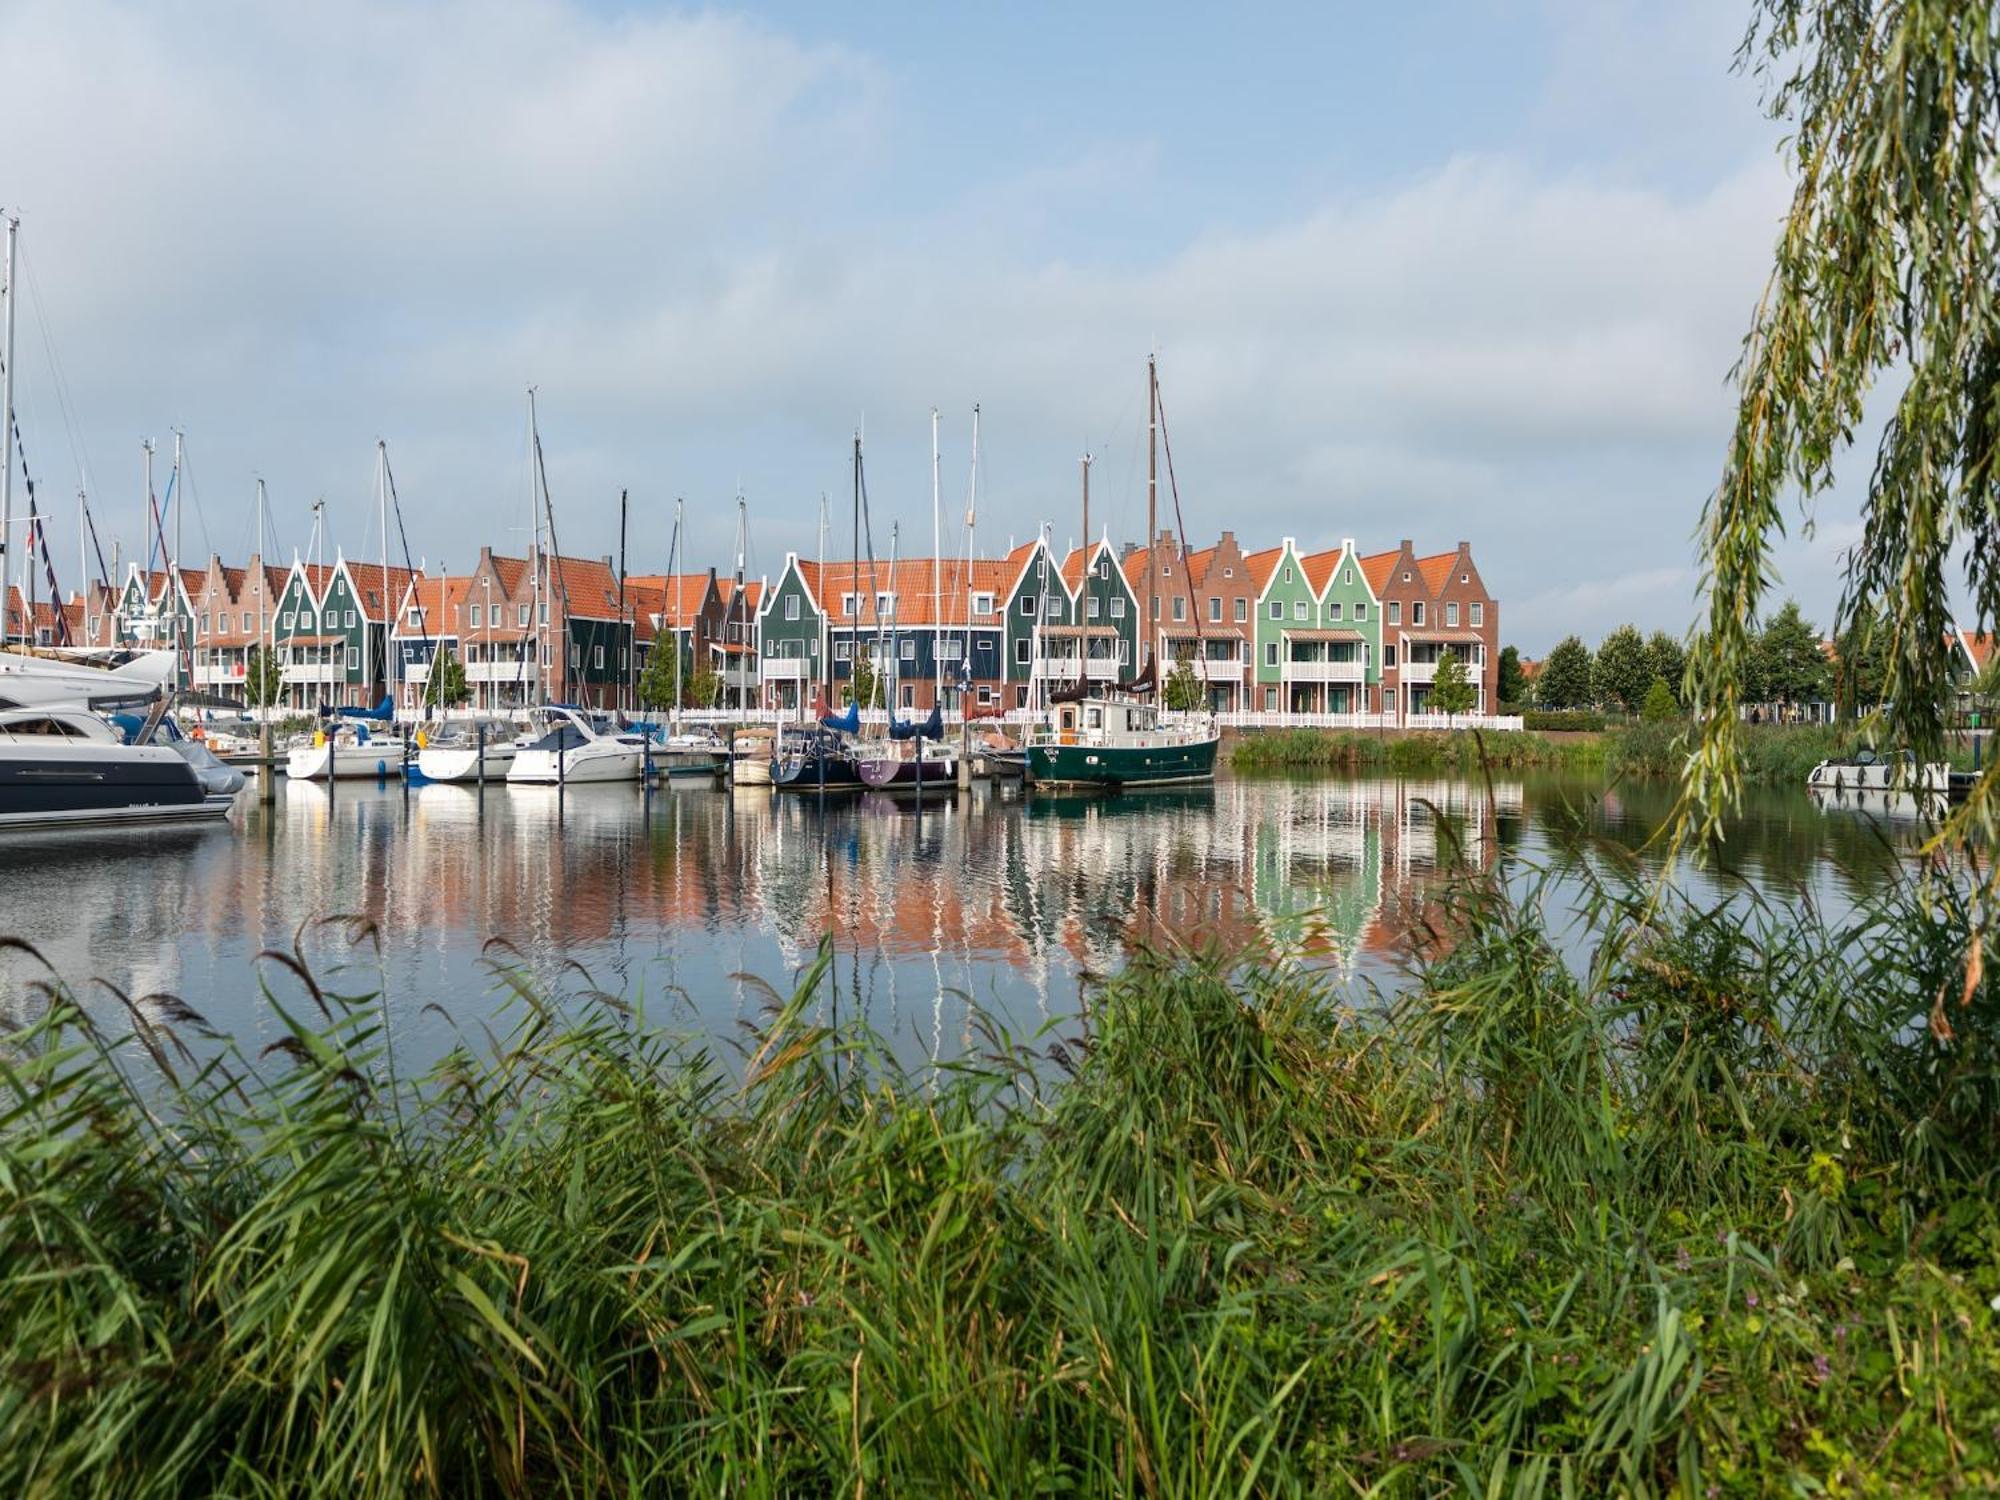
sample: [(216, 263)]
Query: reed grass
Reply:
[(1706, 1208)]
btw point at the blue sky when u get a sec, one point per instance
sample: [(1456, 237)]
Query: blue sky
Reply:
[(1436, 271)]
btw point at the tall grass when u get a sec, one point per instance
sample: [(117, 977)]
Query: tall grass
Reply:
[(1710, 1209), (1458, 750)]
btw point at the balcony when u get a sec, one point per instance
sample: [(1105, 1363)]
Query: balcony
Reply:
[(1313, 669), (499, 671), (313, 672), (786, 668), (1063, 669)]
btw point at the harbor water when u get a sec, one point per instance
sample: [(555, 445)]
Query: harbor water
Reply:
[(701, 904)]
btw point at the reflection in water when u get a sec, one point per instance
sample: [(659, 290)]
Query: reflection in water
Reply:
[(675, 900)]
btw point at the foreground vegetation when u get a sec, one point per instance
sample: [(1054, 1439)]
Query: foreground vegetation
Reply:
[(1710, 1210)]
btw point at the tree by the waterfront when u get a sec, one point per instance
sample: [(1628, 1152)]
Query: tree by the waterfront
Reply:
[(1669, 661), (1791, 664), (702, 690), (446, 687), (1564, 681), (1622, 670), (1861, 663), (1884, 270), (1182, 692), (1511, 685), (1452, 691), (864, 686), (1659, 706), (263, 681), (656, 682)]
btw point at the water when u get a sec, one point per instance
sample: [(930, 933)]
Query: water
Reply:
[(700, 903)]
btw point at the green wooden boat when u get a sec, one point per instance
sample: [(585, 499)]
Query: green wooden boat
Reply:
[(1112, 743)]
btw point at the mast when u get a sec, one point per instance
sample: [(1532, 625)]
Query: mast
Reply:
[(263, 613), (680, 592), (1083, 594), (854, 568), (382, 520), (889, 700), (825, 622), (535, 618), (1152, 622), (631, 635), (738, 606), (173, 589), (7, 422), (937, 578), (971, 523)]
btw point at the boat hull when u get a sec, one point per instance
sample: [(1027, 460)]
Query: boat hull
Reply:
[(816, 772), (1879, 776), (1111, 766), (375, 761), (751, 770), (689, 763), (581, 766), (888, 774), (60, 789), (462, 762)]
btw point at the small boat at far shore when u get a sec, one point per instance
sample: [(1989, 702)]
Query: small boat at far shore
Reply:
[(752, 765), (1868, 771), (459, 756)]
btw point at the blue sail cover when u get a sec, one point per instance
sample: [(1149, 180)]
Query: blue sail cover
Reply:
[(933, 727), (847, 723), (902, 729), (383, 711)]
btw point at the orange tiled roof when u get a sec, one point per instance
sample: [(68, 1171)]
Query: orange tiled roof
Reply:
[(1435, 570), (368, 579), (922, 598), (1319, 567), (1376, 568), (1260, 566)]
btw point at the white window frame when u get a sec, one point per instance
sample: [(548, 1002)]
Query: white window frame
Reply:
[(1451, 613), (1478, 613), (1270, 653), (1277, 609), (1242, 610), (1416, 612), (1117, 607), (1300, 612), (982, 604), (843, 651), (1091, 606), (791, 606), (1395, 611)]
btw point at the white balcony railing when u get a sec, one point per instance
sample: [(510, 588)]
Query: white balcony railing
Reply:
[(1419, 671), (785, 668), (1326, 671), (313, 671), (499, 671), (1063, 669)]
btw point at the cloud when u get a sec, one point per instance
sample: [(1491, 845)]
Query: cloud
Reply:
[(292, 229)]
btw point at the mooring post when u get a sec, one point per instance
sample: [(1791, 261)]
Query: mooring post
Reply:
[(267, 768), (479, 740)]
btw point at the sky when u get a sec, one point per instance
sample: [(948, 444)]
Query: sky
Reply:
[(1441, 271)]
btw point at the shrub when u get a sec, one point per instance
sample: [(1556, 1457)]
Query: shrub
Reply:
[(1659, 705), (1553, 720)]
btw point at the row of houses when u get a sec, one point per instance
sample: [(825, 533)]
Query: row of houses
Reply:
[(1277, 629)]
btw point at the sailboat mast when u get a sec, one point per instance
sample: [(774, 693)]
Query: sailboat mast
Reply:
[(680, 594), (854, 567), (937, 575), (7, 422), (541, 562), (1151, 624), (382, 521), (889, 700), (826, 622), (631, 635), (971, 523), (174, 562), (738, 605), (1083, 593)]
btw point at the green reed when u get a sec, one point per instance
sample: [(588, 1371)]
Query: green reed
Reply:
[(1703, 1203)]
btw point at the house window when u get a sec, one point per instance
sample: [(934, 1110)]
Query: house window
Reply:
[(1465, 578), (843, 650), (1270, 700), (1388, 656), (985, 695), (1451, 612), (982, 604), (1333, 610), (350, 619), (353, 658), (791, 606), (1021, 651), (1242, 609), (597, 658), (1117, 608), (1288, 572), (1478, 613), (1395, 612), (1215, 609), (1180, 608), (521, 616), (475, 616), (951, 648), (288, 621), (1360, 609), (1299, 611), (1228, 572), (1156, 608), (1051, 607), (908, 649), (1406, 575), (1270, 653), (1092, 610), (885, 604), (545, 612), (1277, 609), (204, 625), (1349, 579), (1027, 605), (1417, 612)]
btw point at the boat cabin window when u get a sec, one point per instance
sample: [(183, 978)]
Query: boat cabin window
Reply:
[(54, 727), (1069, 719), (1094, 718)]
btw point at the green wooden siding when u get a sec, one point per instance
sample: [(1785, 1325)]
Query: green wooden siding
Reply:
[(1289, 589)]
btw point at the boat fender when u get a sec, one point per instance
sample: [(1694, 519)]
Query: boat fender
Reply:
[(423, 740), (319, 738)]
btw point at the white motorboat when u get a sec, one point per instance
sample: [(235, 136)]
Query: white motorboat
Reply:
[(571, 746), (67, 767), (459, 756), (1867, 771)]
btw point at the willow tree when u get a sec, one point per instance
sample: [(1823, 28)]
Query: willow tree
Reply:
[(1887, 273)]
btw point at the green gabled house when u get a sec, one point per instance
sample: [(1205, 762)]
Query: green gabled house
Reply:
[(1337, 668), (311, 650), (1037, 601), (1108, 611), (1288, 603), (792, 630)]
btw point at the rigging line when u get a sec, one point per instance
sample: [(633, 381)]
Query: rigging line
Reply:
[(64, 407), (388, 609), (1180, 522), (194, 498)]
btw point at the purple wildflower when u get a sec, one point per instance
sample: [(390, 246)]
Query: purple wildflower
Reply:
[(1749, 1299), (1820, 1367)]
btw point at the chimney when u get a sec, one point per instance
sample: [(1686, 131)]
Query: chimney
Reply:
[(1406, 545)]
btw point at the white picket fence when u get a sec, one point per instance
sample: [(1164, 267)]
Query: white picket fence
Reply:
[(1239, 721)]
